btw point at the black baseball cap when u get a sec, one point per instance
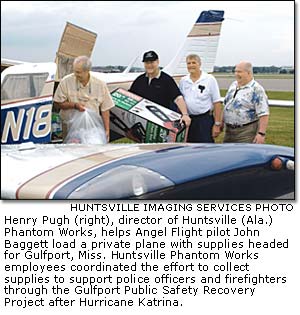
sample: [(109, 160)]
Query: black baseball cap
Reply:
[(150, 56)]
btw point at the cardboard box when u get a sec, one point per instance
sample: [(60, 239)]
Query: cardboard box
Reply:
[(144, 121)]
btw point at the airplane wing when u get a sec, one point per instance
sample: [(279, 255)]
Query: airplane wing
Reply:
[(5, 63), (11, 62), (281, 103)]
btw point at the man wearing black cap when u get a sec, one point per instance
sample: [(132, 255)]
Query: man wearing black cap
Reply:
[(159, 87)]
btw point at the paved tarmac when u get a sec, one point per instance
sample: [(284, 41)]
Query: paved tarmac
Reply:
[(268, 84)]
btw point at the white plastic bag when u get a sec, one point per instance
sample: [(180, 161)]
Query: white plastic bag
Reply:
[(85, 127)]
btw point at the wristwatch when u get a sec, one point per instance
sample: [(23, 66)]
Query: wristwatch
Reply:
[(261, 133), (217, 123)]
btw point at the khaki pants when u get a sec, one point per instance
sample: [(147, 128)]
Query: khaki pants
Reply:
[(245, 134)]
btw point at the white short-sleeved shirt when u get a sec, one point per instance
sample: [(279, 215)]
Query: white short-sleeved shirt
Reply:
[(200, 96), (245, 104), (94, 95)]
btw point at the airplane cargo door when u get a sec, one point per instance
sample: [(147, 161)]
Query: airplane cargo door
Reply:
[(75, 41)]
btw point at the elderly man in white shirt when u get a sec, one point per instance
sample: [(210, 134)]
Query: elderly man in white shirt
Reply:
[(83, 89), (246, 109), (202, 97)]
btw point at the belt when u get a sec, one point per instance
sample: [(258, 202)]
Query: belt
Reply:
[(209, 112), (239, 126)]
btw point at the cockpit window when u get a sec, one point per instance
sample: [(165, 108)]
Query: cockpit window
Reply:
[(22, 86), (121, 182)]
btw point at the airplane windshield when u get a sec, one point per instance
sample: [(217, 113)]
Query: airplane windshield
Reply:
[(22, 86)]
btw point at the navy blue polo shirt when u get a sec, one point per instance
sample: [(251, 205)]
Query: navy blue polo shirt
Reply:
[(162, 90)]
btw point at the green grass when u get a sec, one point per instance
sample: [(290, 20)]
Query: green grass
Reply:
[(281, 126), (272, 95), (281, 95), (123, 140), (280, 130)]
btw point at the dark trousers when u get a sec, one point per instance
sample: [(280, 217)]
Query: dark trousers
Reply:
[(201, 128)]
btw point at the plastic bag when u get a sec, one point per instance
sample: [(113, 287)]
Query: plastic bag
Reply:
[(85, 127)]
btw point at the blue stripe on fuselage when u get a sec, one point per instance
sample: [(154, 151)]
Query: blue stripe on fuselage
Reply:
[(187, 163)]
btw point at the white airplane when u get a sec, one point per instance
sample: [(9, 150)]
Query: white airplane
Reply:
[(5, 63), (27, 89), (77, 171)]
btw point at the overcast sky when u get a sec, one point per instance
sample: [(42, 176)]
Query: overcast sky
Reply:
[(258, 31)]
